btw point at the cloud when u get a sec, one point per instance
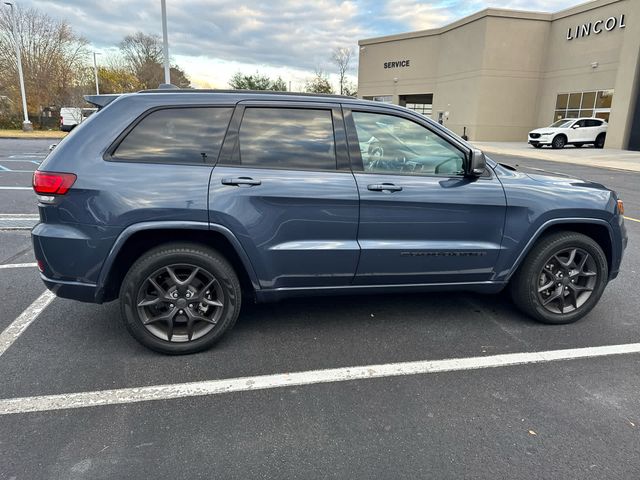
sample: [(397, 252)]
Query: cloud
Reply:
[(211, 39)]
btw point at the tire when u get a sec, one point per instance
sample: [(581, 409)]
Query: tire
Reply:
[(527, 285), (600, 140), (158, 313), (537, 145), (559, 141), (578, 145)]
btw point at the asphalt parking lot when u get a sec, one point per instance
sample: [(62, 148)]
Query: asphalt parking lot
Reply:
[(571, 418)]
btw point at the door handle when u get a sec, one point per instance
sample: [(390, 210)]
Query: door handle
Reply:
[(248, 181), (384, 187)]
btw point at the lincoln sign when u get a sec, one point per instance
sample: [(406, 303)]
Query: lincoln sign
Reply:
[(596, 27)]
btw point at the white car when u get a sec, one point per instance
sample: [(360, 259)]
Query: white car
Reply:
[(571, 131), (72, 116)]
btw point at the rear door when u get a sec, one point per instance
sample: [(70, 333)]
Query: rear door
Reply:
[(284, 187), (421, 220)]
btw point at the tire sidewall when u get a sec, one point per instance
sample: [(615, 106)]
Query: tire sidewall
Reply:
[(155, 260)]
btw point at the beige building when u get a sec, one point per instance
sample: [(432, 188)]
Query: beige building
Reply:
[(499, 73)]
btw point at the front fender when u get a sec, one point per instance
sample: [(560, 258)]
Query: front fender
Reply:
[(511, 261)]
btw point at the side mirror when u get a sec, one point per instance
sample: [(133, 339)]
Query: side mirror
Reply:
[(575, 126), (477, 163)]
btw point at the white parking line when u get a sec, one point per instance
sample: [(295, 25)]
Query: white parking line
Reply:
[(18, 265), (263, 382), (20, 324)]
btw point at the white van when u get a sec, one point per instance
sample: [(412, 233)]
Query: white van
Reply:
[(72, 116)]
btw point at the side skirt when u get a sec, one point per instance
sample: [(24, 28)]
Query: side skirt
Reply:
[(272, 295)]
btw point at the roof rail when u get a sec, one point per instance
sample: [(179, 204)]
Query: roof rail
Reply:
[(242, 91), (101, 100)]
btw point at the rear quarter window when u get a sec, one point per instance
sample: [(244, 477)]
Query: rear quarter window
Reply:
[(176, 135)]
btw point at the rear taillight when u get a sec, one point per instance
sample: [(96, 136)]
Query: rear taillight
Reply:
[(52, 183)]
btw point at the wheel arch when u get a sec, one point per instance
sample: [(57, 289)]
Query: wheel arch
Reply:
[(139, 238), (597, 229)]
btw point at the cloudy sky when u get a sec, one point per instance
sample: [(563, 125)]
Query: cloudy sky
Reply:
[(212, 39)]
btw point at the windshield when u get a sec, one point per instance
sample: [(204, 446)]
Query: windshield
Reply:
[(561, 124)]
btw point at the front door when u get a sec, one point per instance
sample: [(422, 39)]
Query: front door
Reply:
[(421, 220), (283, 186)]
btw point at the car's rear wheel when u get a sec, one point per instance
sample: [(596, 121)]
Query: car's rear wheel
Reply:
[(559, 141), (562, 278), (180, 298), (600, 140)]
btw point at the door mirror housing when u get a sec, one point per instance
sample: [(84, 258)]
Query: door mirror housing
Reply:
[(575, 126), (477, 163)]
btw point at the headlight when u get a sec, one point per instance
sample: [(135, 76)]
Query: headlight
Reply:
[(546, 133)]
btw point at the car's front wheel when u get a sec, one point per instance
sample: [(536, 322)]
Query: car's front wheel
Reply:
[(180, 298), (559, 141), (562, 278)]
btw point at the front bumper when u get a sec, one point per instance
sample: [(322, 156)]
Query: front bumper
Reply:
[(545, 140)]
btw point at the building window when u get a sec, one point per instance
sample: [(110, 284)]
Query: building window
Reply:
[(423, 108), (380, 98), (595, 103)]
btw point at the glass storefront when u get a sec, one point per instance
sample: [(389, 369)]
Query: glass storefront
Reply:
[(595, 103)]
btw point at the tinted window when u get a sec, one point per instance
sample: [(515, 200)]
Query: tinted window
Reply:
[(176, 135), (391, 144), (287, 138), (594, 123)]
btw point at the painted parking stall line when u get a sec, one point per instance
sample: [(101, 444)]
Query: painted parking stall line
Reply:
[(18, 265), (26, 318), (264, 382)]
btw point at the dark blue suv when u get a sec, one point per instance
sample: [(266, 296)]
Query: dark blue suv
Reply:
[(182, 202)]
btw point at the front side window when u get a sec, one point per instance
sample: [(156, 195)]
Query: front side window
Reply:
[(390, 144), (289, 138), (176, 135)]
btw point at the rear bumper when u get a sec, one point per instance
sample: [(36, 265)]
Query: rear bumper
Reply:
[(83, 292), (71, 256)]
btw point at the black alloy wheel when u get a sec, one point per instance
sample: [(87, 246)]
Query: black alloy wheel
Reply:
[(180, 302), (180, 298), (567, 280)]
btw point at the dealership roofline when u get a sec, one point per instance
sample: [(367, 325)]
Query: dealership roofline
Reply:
[(491, 12)]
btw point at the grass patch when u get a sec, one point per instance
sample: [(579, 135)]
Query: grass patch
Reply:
[(4, 133)]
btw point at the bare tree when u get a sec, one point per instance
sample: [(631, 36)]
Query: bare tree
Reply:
[(342, 57), (141, 49), (53, 58), (143, 56)]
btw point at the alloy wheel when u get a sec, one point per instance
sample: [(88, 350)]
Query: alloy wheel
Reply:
[(180, 303), (567, 280)]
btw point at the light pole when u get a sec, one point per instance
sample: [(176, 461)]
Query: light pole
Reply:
[(95, 72), (165, 43), (26, 124)]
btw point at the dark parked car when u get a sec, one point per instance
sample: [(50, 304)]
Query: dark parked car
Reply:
[(182, 203)]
